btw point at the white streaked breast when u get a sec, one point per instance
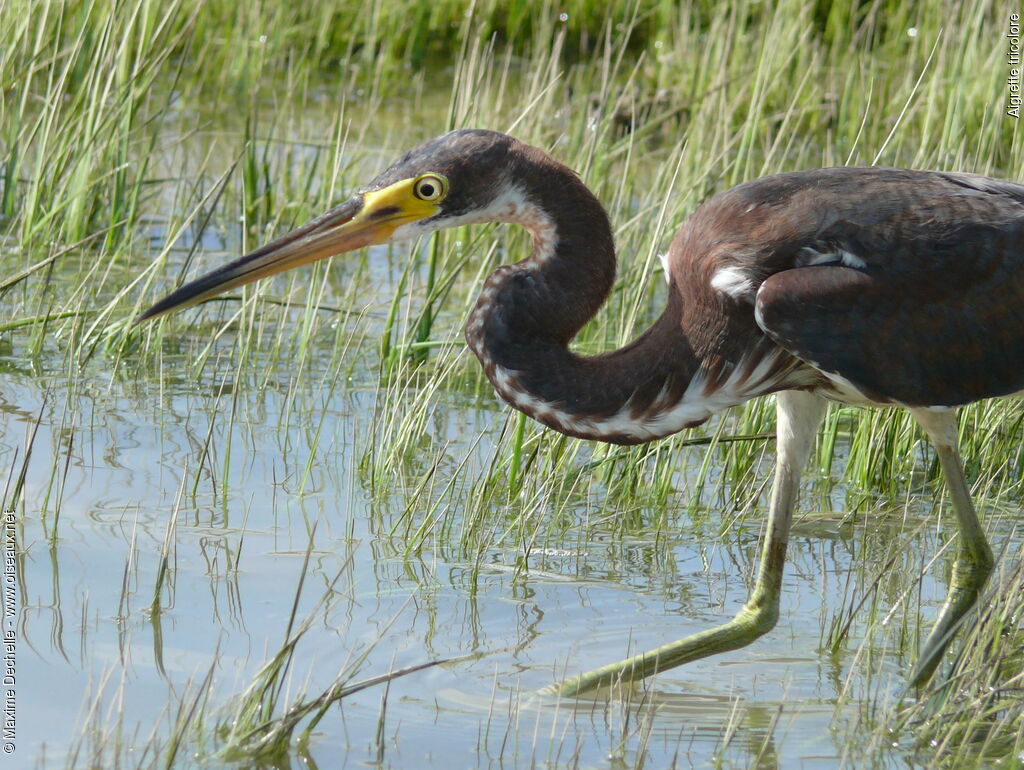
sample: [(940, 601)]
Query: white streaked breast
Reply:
[(694, 407)]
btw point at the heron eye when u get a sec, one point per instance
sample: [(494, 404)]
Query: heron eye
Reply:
[(430, 187)]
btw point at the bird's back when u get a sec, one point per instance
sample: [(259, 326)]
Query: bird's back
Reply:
[(907, 285)]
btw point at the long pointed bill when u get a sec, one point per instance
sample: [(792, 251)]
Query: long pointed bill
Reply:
[(360, 221)]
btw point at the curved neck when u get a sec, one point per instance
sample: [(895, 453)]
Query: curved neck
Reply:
[(527, 314)]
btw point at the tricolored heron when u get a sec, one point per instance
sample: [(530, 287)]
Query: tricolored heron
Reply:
[(869, 286)]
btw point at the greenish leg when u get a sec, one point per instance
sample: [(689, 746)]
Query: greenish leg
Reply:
[(798, 417), (974, 560)]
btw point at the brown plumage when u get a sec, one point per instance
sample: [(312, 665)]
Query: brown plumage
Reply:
[(865, 285)]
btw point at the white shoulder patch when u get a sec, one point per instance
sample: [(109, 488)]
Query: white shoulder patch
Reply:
[(733, 281)]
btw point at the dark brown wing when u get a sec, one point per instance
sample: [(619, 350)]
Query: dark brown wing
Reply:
[(932, 311)]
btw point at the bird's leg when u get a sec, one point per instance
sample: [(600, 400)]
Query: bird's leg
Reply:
[(974, 560), (798, 416)]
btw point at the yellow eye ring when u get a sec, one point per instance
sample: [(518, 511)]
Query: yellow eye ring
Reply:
[(430, 187)]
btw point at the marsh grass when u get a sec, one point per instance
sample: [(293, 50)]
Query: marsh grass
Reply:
[(138, 137)]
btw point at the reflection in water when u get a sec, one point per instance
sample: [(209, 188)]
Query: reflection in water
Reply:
[(187, 523), (685, 726)]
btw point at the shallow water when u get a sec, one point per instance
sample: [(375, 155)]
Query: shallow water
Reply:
[(233, 471), (237, 554)]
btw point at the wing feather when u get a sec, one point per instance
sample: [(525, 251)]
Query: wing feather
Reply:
[(932, 312)]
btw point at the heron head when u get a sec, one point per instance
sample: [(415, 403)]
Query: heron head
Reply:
[(453, 179)]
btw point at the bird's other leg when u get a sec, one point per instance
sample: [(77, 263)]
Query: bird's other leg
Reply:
[(974, 560), (798, 416)]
